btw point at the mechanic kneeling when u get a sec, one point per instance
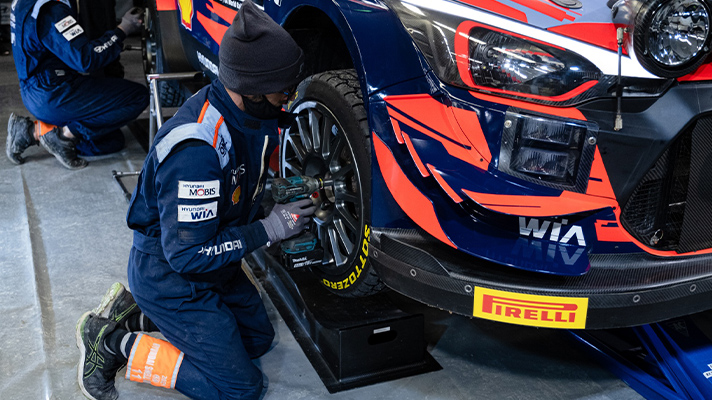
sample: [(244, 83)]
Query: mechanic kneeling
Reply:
[(77, 114), (192, 214)]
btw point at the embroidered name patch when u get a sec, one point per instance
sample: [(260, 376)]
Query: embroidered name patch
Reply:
[(73, 32), (198, 190), (65, 23), (197, 213)]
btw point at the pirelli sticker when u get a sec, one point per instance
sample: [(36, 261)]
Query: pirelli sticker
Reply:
[(532, 310)]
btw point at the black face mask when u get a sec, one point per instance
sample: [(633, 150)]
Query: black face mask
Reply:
[(261, 109)]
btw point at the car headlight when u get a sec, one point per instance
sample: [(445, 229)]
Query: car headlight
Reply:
[(672, 36), (507, 63), (479, 57)]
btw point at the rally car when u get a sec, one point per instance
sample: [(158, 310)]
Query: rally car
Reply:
[(536, 162)]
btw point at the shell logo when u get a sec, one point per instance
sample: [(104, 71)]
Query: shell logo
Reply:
[(186, 13)]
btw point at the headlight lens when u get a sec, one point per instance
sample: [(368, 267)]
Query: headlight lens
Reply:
[(678, 32), (509, 63), (474, 56), (672, 36)]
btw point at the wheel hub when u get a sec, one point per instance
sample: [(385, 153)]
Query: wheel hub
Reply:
[(316, 146), (324, 199)]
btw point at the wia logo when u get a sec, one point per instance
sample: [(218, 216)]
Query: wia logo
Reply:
[(554, 230), (202, 212)]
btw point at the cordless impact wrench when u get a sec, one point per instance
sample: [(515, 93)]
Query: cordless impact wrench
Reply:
[(302, 250)]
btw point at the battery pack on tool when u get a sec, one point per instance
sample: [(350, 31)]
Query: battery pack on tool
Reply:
[(301, 251)]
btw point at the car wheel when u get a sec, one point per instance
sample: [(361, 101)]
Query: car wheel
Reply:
[(330, 140), (169, 92)]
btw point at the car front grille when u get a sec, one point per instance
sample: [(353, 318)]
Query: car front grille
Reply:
[(671, 208)]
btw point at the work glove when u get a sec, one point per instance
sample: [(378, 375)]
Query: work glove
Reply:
[(132, 21), (287, 220)]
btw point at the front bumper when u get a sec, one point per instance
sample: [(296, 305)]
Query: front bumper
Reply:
[(619, 290)]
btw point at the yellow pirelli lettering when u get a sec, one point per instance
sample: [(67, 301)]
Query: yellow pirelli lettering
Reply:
[(531, 310)]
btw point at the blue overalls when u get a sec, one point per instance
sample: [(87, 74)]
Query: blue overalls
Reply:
[(51, 51), (192, 214)]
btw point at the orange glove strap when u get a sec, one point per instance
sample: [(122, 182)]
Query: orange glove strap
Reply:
[(154, 361)]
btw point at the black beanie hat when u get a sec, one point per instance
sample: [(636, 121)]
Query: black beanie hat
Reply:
[(257, 56)]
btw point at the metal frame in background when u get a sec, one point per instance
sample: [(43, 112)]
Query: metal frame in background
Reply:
[(669, 360), (156, 116)]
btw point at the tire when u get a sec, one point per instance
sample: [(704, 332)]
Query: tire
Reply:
[(331, 140), (169, 92)]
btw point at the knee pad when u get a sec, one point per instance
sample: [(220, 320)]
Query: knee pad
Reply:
[(154, 361)]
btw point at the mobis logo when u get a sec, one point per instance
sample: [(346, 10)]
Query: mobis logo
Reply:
[(532, 310), (198, 190)]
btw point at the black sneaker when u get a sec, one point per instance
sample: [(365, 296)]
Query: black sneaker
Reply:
[(20, 136), (97, 367), (62, 149), (117, 305)]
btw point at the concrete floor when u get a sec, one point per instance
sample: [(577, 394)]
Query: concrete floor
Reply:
[(64, 240)]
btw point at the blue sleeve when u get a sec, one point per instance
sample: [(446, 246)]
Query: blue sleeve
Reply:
[(192, 239), (71, 44)]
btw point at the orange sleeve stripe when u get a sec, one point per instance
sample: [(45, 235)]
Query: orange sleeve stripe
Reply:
[(154, 361), (203, 111), (217, 129)]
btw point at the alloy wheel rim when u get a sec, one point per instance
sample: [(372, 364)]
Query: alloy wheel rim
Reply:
[(317, 146)]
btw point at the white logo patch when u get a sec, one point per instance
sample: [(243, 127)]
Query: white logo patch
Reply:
[(65, 23), (223, 247), (198, 190), (73, 32), (111, 41), (197, 213)]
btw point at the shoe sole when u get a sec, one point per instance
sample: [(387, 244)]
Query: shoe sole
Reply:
[(103, 309), (80, 344), (15, 159), (82, 162)]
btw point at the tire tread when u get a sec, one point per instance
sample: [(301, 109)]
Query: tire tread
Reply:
[(346, 83)]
